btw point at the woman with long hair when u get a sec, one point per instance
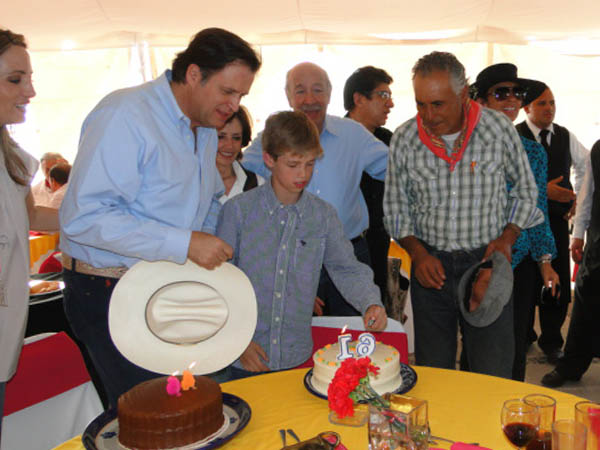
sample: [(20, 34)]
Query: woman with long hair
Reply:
[(17, 210)]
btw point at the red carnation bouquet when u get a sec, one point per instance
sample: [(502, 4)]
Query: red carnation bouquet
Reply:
[(351, 385)]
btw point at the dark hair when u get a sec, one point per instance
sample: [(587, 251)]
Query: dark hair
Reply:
[(14, 164), (60, 173), (364, 81), (290, 131), (242, 115), (442, 62), (211, 50)]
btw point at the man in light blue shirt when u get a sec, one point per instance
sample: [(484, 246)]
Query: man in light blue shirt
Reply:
[(144, 186), (349, 150)]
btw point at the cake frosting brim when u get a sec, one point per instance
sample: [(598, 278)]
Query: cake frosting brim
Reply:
[(391, 386)]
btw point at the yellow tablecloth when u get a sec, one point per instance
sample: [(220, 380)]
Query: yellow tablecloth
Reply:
[(462, 406), (39, 245)]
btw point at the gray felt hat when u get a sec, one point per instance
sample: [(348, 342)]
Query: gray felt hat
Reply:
[(496, 296)]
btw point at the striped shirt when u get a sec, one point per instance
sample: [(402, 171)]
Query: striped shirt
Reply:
[(281, 249), (466, 208)]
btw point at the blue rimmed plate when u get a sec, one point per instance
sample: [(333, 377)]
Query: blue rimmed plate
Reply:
[(409, 379), (101, 433)]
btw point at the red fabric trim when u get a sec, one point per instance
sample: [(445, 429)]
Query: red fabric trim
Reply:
[(472, 112), (326, 335), (46, 368)]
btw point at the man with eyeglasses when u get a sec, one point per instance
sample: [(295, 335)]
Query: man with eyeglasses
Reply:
[(564, 152), (348, 151), (446, 201), (368, 100), (499, 88)]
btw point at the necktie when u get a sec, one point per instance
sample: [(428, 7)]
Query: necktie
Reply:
[(544, 138)]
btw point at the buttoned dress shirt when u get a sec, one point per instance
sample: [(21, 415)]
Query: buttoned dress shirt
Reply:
[(141, 182), (238, 185), (281, 249), (14, 264), (349, 149), (465, 208), (579, 154), (585, 199)]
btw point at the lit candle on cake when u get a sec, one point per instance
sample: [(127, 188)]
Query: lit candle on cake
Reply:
[(343, 341), (173, 385), (188, 381)]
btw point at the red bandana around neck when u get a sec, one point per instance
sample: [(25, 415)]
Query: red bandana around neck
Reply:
[(472, 113)]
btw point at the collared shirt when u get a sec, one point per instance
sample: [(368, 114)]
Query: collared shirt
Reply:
[(585, 198), (349, 149), (141, 182), (579, 154), (238, 185), (537, 240), (281, 249), (466, 208)]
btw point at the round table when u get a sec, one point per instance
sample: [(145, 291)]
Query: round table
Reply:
[(462, 406)]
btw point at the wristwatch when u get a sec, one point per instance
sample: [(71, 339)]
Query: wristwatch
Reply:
[(545, 259)]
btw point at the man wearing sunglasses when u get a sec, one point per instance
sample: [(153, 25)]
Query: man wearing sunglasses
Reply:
[(498, 87), (564, 152), (446, 201), (368, 100)]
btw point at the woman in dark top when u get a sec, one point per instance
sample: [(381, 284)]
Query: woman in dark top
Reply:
[(234, 136)]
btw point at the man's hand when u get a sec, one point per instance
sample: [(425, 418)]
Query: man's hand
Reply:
[(504, 242), (253, 357), (550, 277), (571, 211), (208, 251), (559, 193), (318, 307), (428, 269), (577, 250), (377, 318)]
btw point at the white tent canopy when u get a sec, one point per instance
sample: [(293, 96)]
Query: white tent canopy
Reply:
[(83, 49), (120, 23)]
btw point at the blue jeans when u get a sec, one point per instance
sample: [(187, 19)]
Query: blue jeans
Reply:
[(489, 350), (86, 300)]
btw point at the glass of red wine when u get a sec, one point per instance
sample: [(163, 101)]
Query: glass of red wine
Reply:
[(520, 422), (547, 406)]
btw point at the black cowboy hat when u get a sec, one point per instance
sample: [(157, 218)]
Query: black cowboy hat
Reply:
[(498, 73)]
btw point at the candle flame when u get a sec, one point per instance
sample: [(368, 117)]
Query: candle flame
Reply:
[(174, 374), (191, 366), (344, 329)]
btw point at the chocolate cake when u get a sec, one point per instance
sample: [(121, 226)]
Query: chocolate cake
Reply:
[(150, 418)]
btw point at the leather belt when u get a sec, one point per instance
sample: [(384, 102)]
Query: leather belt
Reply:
[(359, 237), (79, 266)]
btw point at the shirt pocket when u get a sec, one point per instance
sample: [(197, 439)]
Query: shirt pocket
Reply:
[(425, 186), (308, 259)]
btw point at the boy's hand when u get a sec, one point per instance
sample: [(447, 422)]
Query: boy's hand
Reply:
[(375, 318), (253, 357)]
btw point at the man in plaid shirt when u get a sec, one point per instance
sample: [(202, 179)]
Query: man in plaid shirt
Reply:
[(446, 202)]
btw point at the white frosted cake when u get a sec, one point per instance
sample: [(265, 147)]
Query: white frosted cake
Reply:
[(385, 357)]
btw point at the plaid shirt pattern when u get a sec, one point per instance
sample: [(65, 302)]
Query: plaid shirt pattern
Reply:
[(281, 249), (468, 207)]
